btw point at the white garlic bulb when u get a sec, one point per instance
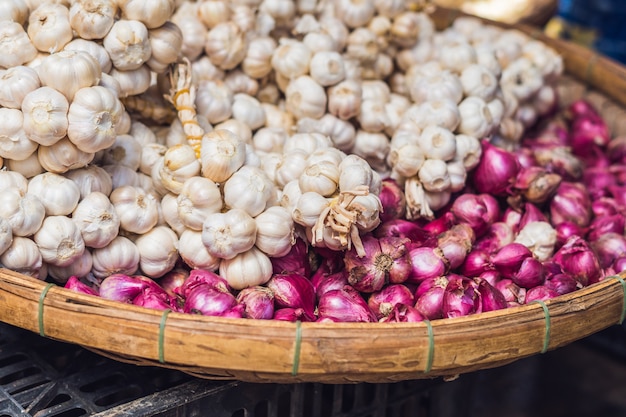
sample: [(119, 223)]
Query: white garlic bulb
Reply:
[(97, 220), (248, 109), (344, 99), (275, 233), (69, 70), (92, 19), (476, 118), (152, 13), (28, 167), (10, 178), (258, 60), (137, 209), (291, 58), (223, 152), (228, 234), (246, 269), (193, 252), (16, 48), (90, 179), (158, 251), (15, 83), (248, 189), (199, 197), (128, 44), (6, 235), (124, 151), (14, 143), (24, 212), (132, 82), (321, 177), (49, 27), (14, 11), (225, 45), (81, 267), (179, 164), (304, 97), (119, 256), (150, 153), (93, 116), (308, 208), (62, 156), (165, 42), (59, 241), (45, 115), (58, 194), (193, 30), (23, 256)]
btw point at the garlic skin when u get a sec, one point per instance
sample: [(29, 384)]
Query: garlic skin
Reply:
[(23, 256), (45, 115), (24, 212), (246, 269), (476, 118), (540, 238), (228, 234), (93, 116), (226, 45), (124, 151), (13, 179), (223, 152), (69, 71), (179, 164), (434, 175), (258, 60), (132, 82), (212, 12), (468, 151), (443, 86), (59, 241), (28, 167), (49, 27), (214, 100), (58, 194), (120, 256), (81, 267), (158, 251), (291, 58), (15, 83), (321, 177), (97, 220), (14, 144), (193, 252), (128, 44), (90, 179), (308, 208), (137, 209), (354, 14), (275, 232), (62, 156), (248, 189), (92, 19), (437, 143), (344, 99), (150, 153), (14, 11), (304, 97), (165, 44), (6, 235), (152, 13), (406, 160), (478, 81), (199, 198), (16, 48), (248, 109)]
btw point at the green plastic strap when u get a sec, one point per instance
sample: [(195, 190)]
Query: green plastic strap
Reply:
[(296, 349), (166, 312), (431, 346), (623, 316), (546, 337), (42, 296)]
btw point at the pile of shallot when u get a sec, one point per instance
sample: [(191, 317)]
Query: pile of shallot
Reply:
[(526, 227)]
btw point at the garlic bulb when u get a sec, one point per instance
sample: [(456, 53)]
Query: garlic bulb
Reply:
[(479, 81), (308, 208), (540, 237), (128, 44), (59, 241), (90, 179), (246, 269), (199, 197), (58, 194), (49, 27), (321, 177), (193, 30), (223, 152), (93, 116), (212, 12), (81, 267), (62, 156), (24, 257), (373, 147), (344, 99), (304, 97), (434, 175), (14, 11), (165, 43), (16, 48), (14, 143), (248, 189), (225, 45), (92, 19), (6, 235), (9, 178), (152, 13), (193, 252), (24, 212), (124, 151), (521, 78), (68, 71), (15, 83), (442, 86), (291, 58), (354, 14), (179, 164), (228, 234), (93, 48), (437, 143), (214, 100), (137, 209), (45, 115), (258, 60), (158, 251), (132, 82), (122, 175), (28, 167), (275, 233), (248, 109), (96, 219), (476, 118), (119, 256), (150, 153), (468, 151), (239, 82), (406, 160)]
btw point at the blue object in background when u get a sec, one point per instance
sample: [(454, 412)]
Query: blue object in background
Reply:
[(597, 24)]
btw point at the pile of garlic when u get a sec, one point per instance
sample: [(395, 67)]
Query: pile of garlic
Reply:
[(286, 117)]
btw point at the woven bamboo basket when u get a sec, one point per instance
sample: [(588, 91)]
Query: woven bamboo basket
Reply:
[(285, 352)]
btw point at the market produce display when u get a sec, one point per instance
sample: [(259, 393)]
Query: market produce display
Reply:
[(310, 161)]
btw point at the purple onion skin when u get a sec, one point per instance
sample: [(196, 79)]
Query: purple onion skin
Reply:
[(601, 226), (456, 243), (490, 297), (406, 229), (496, 171), (512, 292), (124, 288), (498, 235), (293, 290), (398, 250), (208, 301), (257, 302), (236, 312), (509, 258), (202, 277), (572, 203), (530, 274), (75, 284), (392, 200), (442, 223), (368, 273), (326, 282), (561, 283), (578, 260), (566, 230), (426, 263), (345, 305), (597, 180), (619, 265), (402, 313), (292, 314), (604, 206), (479, 211), (476, 263), (540, 292), (609, 247), (173, 280), (460, 298), (383, 302), (297, 260), (492, 277), (155, 299), (430, 302)]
